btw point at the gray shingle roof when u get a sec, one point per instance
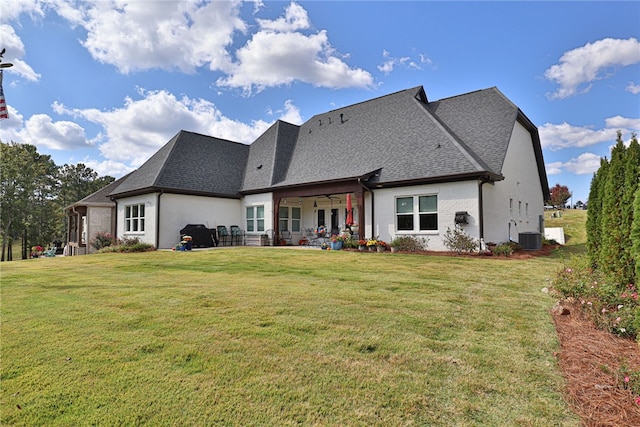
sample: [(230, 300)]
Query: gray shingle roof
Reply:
[(401, 137), (191, 163), (101, 197), (404, 138)]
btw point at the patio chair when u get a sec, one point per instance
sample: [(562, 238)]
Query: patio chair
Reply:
[(50, 253), (286, 237), (237, 235), (223, 235)]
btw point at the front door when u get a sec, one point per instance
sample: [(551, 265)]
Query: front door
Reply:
[(335, 221), (321, 220)]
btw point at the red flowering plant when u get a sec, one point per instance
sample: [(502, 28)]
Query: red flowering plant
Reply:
[(36, 250)]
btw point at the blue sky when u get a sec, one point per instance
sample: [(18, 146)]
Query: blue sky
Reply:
[(107, 83)]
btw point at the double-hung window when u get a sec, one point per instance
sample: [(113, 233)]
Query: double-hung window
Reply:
[(255, 218), (289, 219), (134, 218), (417, 213)]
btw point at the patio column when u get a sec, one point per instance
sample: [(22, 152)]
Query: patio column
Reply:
[(276, 221), (360, 204)]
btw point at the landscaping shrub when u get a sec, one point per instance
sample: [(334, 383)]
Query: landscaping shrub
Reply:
[(410, 243), (102, 240), (503, 250), (458, 241), (128, 244), (601, 299)]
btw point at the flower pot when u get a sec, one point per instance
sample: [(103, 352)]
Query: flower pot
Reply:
[(362, 248), (372, 248), (381, 249), (394, 249), (336, 246)]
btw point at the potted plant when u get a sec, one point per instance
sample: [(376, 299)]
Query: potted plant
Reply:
[(36, 251), (336, 242), (395, 244), (371, 245), (381, 246), (362, 245)]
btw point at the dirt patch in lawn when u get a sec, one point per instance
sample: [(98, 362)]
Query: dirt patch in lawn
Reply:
[(591, 361)]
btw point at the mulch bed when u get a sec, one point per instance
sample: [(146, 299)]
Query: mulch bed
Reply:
[(590, 360)]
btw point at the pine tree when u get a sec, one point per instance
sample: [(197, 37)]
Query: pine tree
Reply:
[(594, 212)]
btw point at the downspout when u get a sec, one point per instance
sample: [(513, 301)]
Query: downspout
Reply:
[(158, 219), (481, 209), (366, 188), (115, 222)]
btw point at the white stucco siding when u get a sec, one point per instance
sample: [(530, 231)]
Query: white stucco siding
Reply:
[(452, 197), (177, 210), (252, 201), (150, 215), (515, 204)]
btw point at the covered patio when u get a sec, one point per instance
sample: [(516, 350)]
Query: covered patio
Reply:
[(301, 213)]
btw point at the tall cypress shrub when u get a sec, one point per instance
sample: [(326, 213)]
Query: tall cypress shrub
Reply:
[(594, 212), (635, 235), (614, 257), (632, 176)]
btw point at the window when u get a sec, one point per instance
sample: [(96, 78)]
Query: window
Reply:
[(255, 218), (295, 219), (417, 213), (289, 219), (519, 208), (134, 218), (283, 219)]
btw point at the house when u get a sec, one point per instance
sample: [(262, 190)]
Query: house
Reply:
[(410, 165)]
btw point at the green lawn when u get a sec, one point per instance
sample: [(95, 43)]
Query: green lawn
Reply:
[(276, 337)]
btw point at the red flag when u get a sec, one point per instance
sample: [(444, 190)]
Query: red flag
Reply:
[(4, 113)]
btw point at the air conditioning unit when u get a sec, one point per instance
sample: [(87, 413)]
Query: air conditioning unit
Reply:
[(530, 241)]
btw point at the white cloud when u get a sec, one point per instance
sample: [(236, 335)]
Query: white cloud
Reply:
[(295, 18), (585, 163), (14, 54), (12, 9), (633, 88), (138, 35), (137, 130), (41, 131), (580, 67), (389, 62), (619, 122), (108, 167), (557, 137), (277, 55)]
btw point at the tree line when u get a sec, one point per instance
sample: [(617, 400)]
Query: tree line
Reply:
[(613, 218), (33, 194)]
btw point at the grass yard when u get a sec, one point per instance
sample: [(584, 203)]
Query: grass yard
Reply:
[(277, 337)]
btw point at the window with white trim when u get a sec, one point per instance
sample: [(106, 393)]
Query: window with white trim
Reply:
[(417, 213), (134, 218), (255, 218), (289, 219)]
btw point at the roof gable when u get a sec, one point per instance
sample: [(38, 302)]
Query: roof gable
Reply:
[(483, 120), (191, 163)]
